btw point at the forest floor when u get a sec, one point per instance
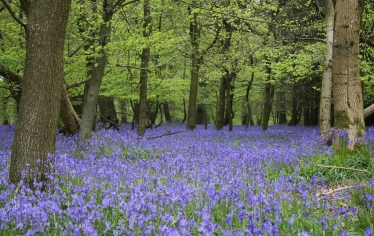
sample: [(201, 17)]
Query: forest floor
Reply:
[(283, 181)]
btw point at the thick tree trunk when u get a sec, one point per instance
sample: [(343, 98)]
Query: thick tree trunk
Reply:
[(35, 134), (144, 71), (89, 106), (325, 104), (107, 109), (347, 91)]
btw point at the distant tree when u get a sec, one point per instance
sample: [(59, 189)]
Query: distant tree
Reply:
[(347, 90), (35, 133)]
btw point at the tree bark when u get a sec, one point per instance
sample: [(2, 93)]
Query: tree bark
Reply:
[(144, 71), (35, 134), (195, 66), (347, 91), (369, 111), (166, 112), (107, 109), (294, 111), (325, 104), (123, 108), (89, 106), (229, 102), (221, 103), (68, 115)]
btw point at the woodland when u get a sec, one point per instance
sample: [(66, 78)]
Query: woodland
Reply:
[(186, 117)]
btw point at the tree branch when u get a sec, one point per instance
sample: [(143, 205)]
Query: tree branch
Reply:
[(13, 13), (170, 133), (68, 86), (119, 4), (72, 53)]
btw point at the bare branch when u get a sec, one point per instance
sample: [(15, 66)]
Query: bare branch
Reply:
[(121, 3), (68, 86), (170, 133), (13, 13), (72, 53), (151, 67)]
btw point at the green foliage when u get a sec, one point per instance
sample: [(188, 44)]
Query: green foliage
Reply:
[(358, 159)]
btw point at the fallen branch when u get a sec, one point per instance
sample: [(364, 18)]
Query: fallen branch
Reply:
[(336, 190), (336, 167), (170, 133)]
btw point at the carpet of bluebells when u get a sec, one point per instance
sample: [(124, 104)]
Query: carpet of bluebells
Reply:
[(204, 182)]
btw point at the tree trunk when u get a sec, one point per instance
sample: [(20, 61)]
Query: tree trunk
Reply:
[(294, 111), (195, 66), (267, 106), (221, 103), (144, 71), (347, 91), (89, 106), (123, 107), (166, 112), (68, 115), (306, 115), (229, 102), (200, 115), (184, 111), (107, 109), (35, 134), (325, 104)]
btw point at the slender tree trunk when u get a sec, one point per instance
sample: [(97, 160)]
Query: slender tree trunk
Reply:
[(184, 111), (144, 71), (89, 106), (306, 115), (267, 105), (166, 112), (229, 102), (325, 104), (195, 66), (68, 115), (35, 134), (221, 103), (294, 111), (347, 91), (123, 107)]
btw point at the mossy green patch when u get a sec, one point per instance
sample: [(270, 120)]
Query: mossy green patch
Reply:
[(342, 120)]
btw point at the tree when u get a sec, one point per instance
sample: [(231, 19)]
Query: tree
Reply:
[(347, 91), (35, 133), (97, 74), (144, 71), (326, 89)]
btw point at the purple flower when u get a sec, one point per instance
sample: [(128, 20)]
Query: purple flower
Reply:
[(368, 231)]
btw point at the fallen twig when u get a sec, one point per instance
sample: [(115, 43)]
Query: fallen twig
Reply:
[(336, 167), (170, 133), (336, 190)]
